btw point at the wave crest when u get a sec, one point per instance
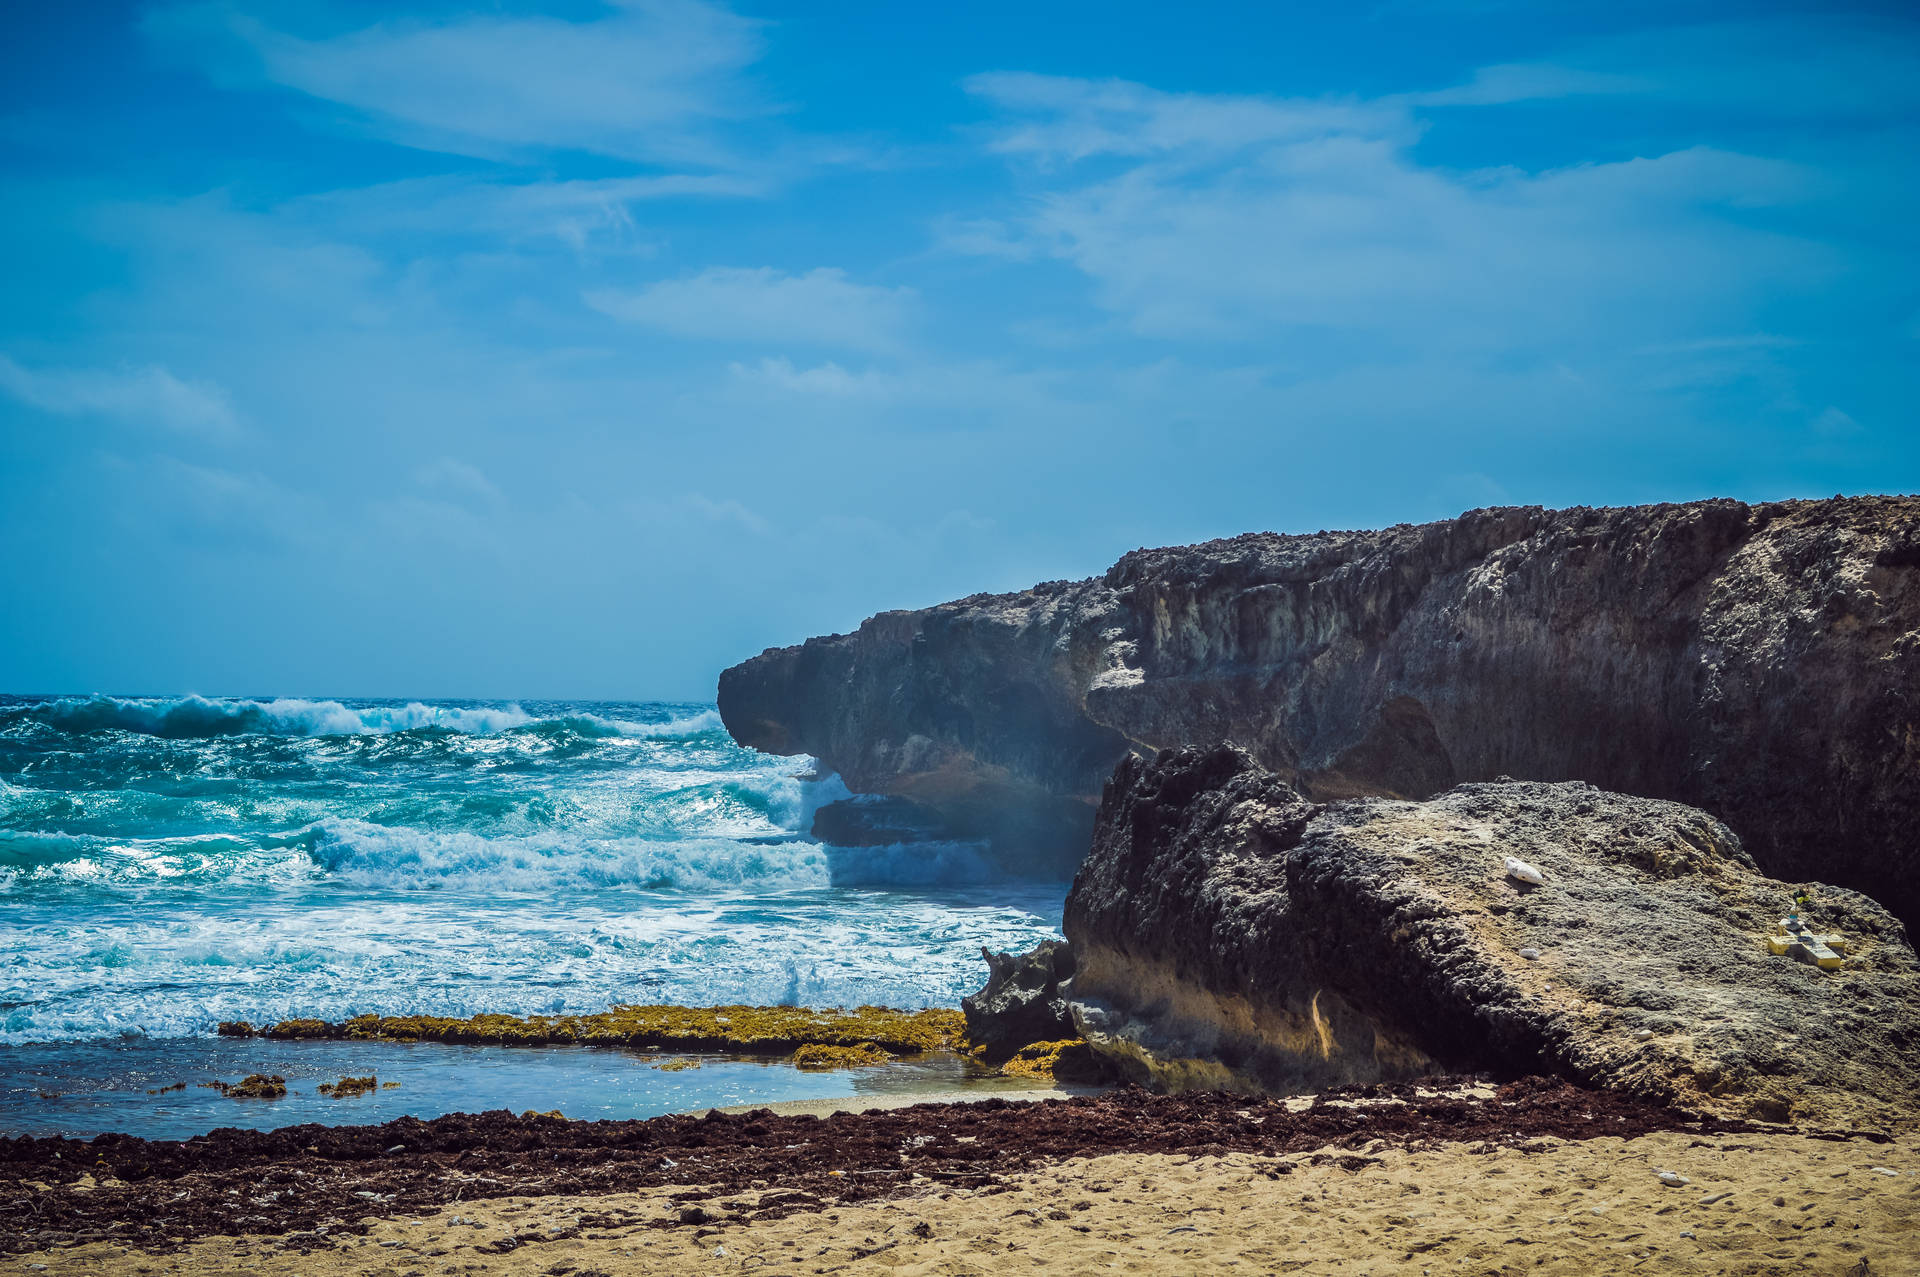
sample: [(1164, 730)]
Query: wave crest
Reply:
[(397, 858), (198, 717)]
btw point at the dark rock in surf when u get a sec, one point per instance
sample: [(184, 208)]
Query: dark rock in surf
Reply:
[(1025, 1000)]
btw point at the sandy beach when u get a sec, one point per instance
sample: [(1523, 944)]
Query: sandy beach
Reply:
[(1535, 1176), (1768, 1204)]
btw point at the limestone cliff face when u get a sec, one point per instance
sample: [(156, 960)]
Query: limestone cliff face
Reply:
[(1760, 662), (1228, 933)]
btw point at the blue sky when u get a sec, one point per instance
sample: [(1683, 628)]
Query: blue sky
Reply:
[(585, 349)]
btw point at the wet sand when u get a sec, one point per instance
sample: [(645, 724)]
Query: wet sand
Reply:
[(1536, 1177)]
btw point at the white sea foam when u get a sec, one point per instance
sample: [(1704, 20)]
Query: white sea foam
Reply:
[(166, 863), (694, 725), (199, 716), (129, 970), (368, 855)]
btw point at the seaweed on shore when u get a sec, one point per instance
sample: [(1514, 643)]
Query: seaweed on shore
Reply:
[(746, 1029), (158, 1194)]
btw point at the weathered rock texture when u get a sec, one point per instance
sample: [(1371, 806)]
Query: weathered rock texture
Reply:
[(1761, 662), (1024, 1000), (1229, 933)]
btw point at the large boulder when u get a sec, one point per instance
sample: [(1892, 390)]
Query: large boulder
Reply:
[(1227, 932), (1757, 661)]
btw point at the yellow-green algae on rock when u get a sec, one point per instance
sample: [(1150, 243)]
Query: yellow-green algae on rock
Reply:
[(348, 1087), (815, 1055), (747, 1029), (1068, 1060)]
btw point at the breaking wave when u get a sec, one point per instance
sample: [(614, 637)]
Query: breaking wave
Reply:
[(170, 862), (195, 717), (364, 855)]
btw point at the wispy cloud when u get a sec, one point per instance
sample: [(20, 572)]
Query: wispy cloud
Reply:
[(1064, 119), (215, 507), (646, 80), (698, 507), (823, 379), (821, 307), (452, 475), (1234, 217), (585, 215), (142, 395), (1526, 82)]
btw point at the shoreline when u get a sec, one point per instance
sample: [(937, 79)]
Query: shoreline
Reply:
[(160, 1194), (1554, 1208), (1535, 1176)]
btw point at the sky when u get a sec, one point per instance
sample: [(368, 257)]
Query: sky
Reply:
[(584, 349)]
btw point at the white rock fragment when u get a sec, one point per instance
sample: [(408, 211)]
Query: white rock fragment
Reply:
[(1673, 1179), (1886, 1170), (1531, 955), (1523, 871)]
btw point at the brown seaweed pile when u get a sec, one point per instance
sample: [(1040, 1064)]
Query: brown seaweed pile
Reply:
[(317, 1182)]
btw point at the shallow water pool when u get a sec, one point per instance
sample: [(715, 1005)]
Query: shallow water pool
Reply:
[(88, 1088)]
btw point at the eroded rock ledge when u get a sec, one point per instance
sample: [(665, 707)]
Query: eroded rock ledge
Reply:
[(1761, 662), (1228, 933)]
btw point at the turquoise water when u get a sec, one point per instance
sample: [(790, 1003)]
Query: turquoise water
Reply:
[(166, 864)]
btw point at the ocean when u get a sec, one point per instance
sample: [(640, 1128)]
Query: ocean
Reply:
[(169, 863)]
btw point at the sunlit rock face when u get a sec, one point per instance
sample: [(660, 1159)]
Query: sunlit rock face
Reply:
[(1760, 662), (1228, 933)]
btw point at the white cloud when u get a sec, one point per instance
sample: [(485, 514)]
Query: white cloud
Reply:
[(1835, 423), (1526, 82), (828, 379), (584, 215), (1247, 218), (821, 307), (1072, 119), (697, 506), (647, 80), (458, 477), (145, 395), (216, 507)]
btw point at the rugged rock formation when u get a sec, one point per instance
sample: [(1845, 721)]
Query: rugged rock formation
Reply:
[(1024, 1001), (1761, 662), (1229, 933)]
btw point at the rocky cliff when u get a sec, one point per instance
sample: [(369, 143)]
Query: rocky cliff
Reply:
[(1225, 932), (1761, 662)]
